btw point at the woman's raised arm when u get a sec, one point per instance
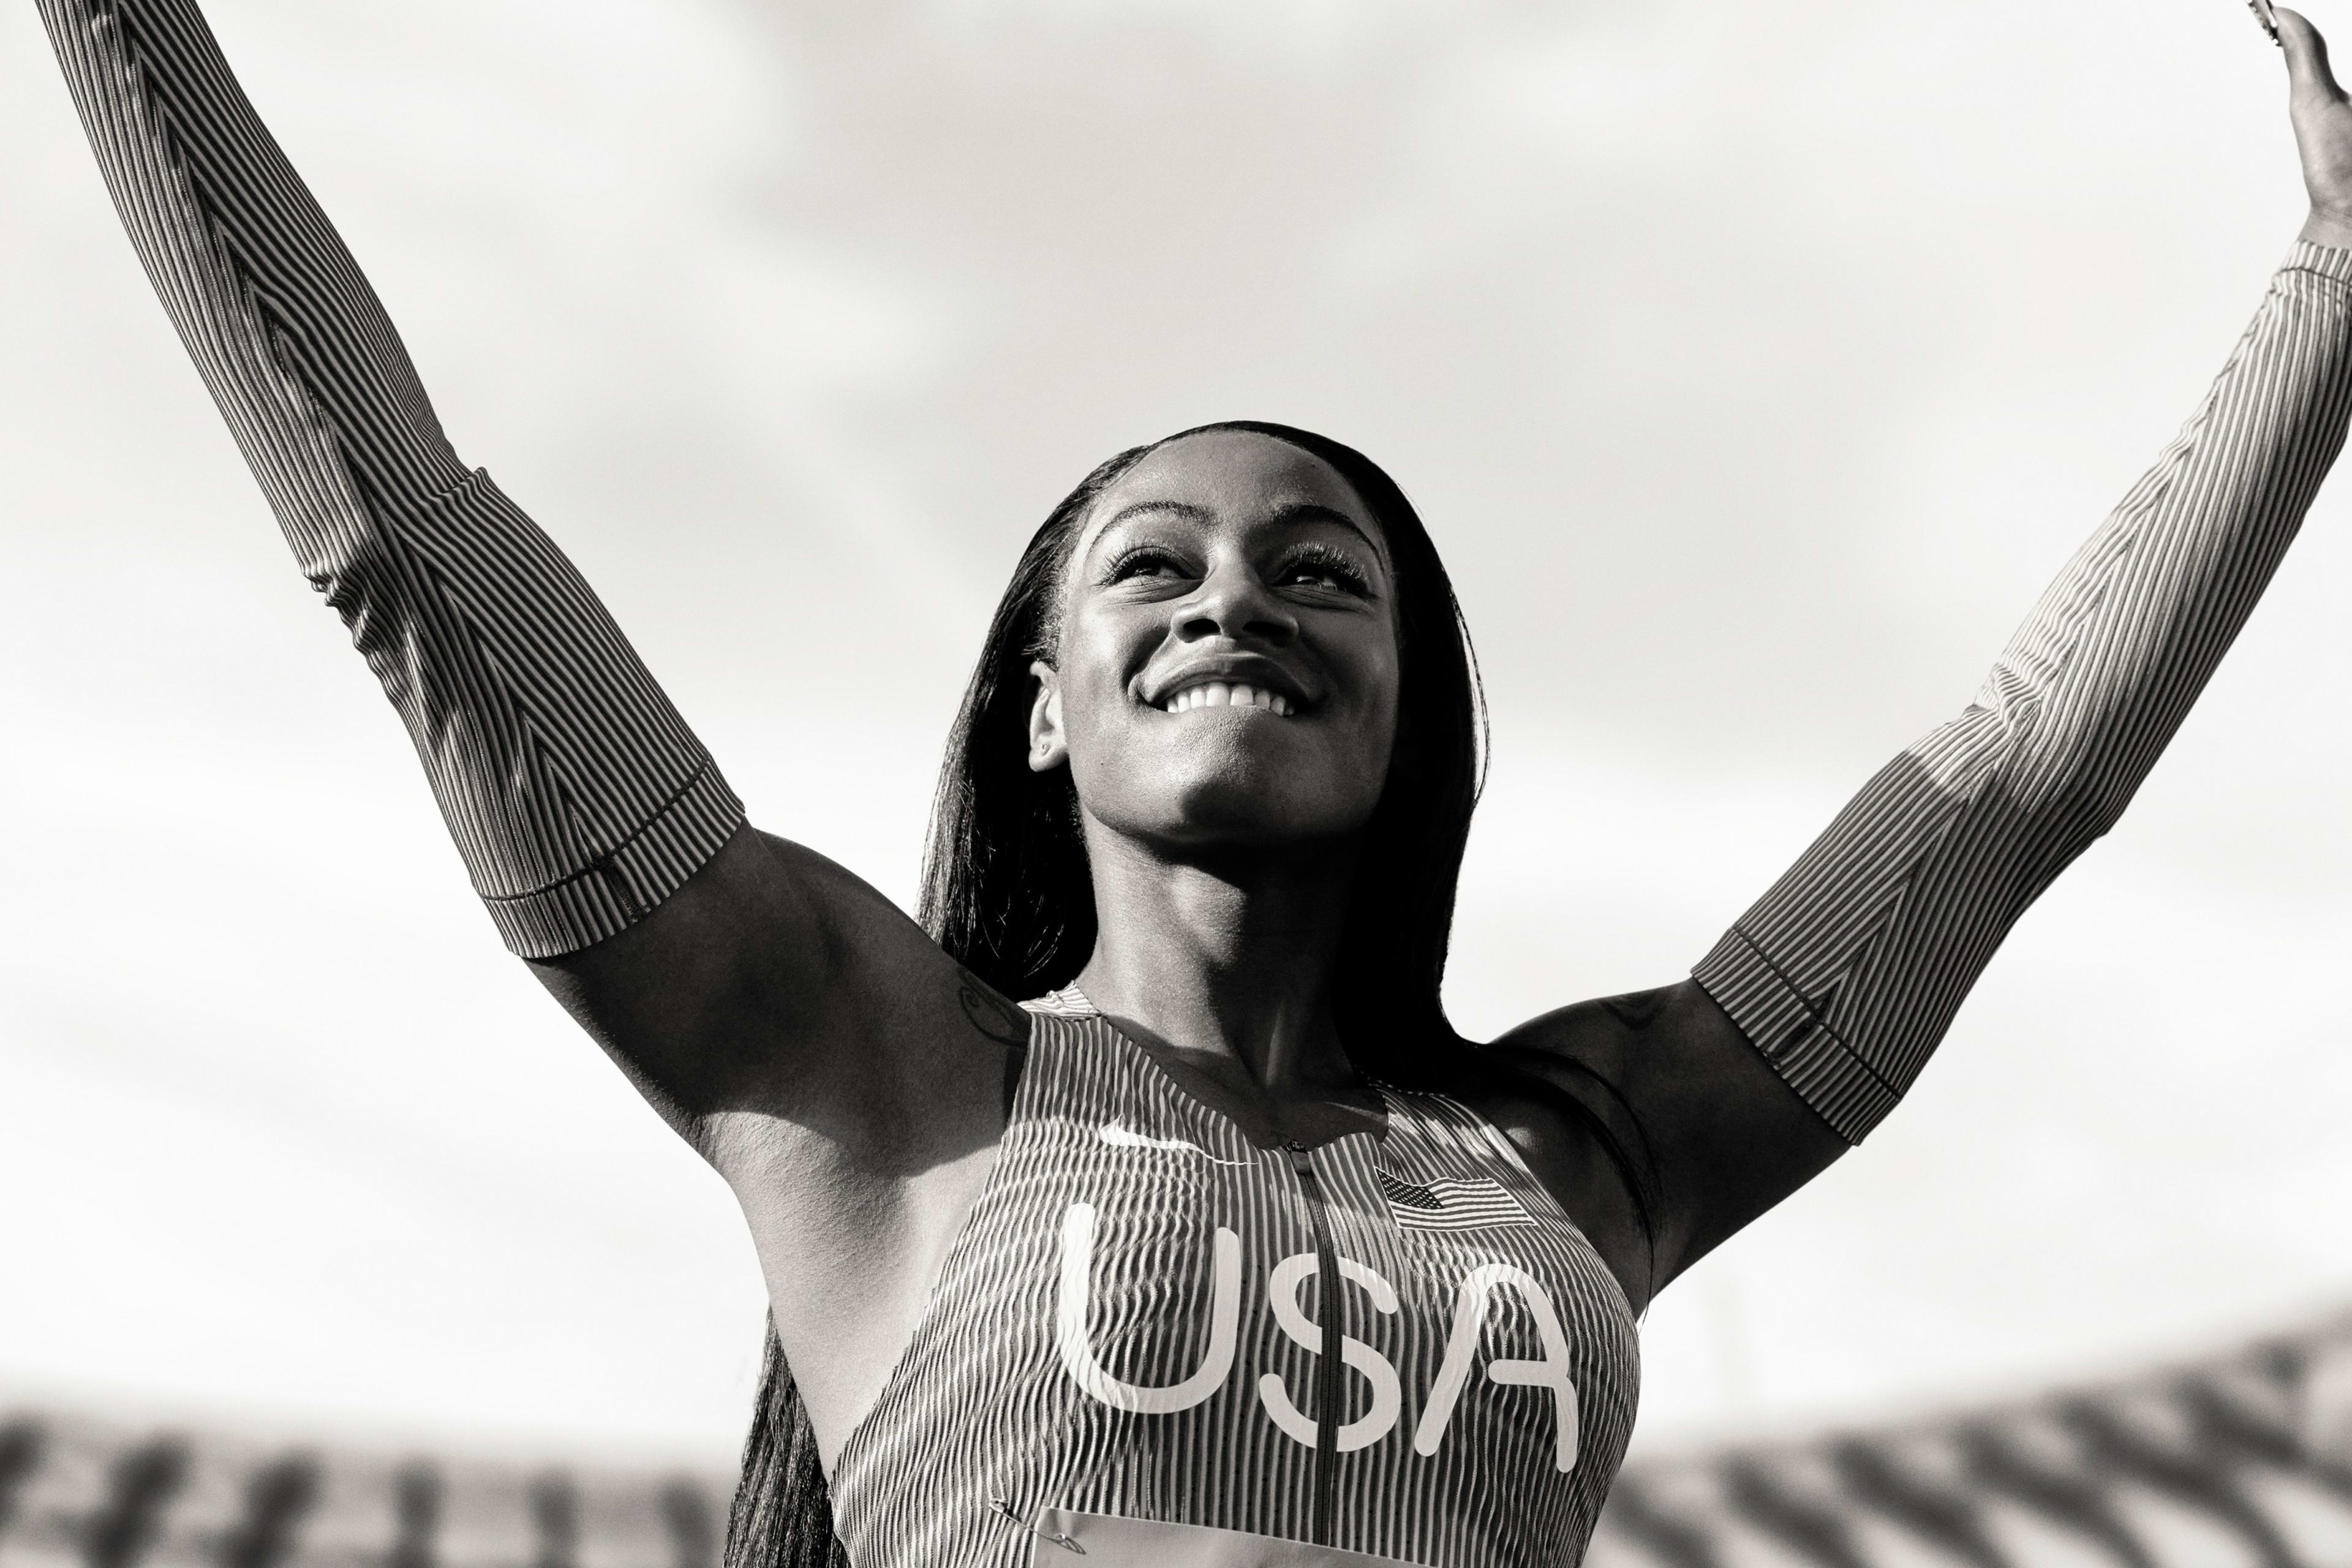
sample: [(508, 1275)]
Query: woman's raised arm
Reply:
[(1844, 977), (579, 799)]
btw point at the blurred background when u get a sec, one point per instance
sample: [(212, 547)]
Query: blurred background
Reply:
[(1754, 365)]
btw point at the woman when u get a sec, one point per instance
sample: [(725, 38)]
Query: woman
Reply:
[(1141, 1204)]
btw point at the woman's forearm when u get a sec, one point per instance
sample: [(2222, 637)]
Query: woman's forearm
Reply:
[(1847, 973), (578, 797), (2094, 683)]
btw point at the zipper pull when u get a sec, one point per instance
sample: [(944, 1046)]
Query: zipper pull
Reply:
[(1052, 1538), (1299, 1160)]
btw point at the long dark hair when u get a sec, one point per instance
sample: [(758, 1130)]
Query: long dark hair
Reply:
[(1007, 893)]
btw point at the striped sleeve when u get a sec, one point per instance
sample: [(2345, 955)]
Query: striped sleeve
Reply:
[(577, 795), (1847, 973)]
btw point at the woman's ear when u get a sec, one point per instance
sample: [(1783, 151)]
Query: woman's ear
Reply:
[(1049, 748)]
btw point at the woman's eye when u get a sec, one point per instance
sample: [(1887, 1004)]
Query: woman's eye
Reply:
[(1337, 576), (1144, 564)]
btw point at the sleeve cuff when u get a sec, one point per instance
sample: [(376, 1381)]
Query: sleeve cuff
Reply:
[(1791, 1032), (2324, 260), (621, 887)]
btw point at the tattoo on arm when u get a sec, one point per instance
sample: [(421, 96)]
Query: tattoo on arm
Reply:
[(990, 1013), (1001, 1021)]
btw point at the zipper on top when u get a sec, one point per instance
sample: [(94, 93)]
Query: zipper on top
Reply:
[(1327, 1366)]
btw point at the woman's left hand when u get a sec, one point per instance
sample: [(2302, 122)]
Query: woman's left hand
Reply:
[(2323, 131)]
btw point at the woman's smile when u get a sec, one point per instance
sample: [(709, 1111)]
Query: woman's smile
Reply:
[(1217, 694), (1248, 682)]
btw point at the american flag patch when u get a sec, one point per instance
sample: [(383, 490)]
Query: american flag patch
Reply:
[(1449, 1204)]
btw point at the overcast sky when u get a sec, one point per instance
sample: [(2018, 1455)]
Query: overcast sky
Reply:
[(1754, 365)]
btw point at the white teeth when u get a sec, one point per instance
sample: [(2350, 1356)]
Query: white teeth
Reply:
[(1228, 694)]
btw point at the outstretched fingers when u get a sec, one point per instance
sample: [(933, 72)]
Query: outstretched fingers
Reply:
[(2321, 116)]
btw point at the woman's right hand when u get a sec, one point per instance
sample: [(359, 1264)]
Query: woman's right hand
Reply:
[(2323, 131)]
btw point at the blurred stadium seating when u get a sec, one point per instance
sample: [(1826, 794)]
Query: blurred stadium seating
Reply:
[(2236, 1458), (79, 1493)]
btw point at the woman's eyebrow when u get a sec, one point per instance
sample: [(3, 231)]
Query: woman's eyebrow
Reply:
[(1145, 508), (1293, 512), (1315, 511)]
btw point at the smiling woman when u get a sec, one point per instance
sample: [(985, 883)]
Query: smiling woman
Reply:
[(1276, 580), (1139, 1202), (1334, 576)]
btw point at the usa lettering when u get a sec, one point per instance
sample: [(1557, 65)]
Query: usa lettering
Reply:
[(1283, 1285)]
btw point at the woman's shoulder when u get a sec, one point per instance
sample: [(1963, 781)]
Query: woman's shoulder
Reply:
[(1704, 1123), (1549, 1086)]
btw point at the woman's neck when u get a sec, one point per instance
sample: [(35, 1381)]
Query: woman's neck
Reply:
[(1226, 955)]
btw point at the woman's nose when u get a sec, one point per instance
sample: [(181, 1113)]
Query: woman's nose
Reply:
[(1233, 602)]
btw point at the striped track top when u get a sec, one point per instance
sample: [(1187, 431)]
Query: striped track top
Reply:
[(1132, 1323)]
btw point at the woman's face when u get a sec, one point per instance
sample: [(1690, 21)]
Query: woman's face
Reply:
[(1227, 670)]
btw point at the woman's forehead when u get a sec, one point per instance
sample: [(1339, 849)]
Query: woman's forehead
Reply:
[(1237, 476)]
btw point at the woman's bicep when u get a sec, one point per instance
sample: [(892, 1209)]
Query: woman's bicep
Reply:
[(775, 982), (1733, 1137), (1709, 1136)]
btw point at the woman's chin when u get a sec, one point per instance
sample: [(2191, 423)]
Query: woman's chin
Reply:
[(1229, 785), (1257, 816)]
